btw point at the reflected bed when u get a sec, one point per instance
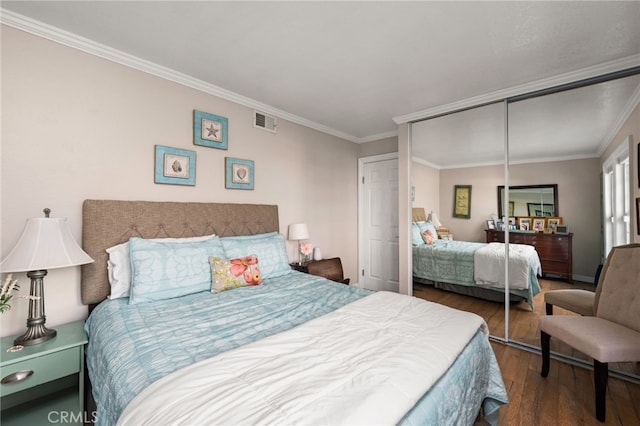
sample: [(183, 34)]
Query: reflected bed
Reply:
[(471, 268)]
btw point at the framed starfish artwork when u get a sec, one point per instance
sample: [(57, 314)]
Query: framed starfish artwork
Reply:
[(209, 130)]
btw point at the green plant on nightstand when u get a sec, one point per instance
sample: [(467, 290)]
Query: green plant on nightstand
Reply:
[(6, 293)]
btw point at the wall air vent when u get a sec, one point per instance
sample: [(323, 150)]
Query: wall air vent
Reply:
[(263, 121)]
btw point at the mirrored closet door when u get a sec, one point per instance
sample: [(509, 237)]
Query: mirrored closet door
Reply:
[(562, 137), (457, 163), (556, 139)]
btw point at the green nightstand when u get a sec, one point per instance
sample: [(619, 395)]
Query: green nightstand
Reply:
[(48, 386)]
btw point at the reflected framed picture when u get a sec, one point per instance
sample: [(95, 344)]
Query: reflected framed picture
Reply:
[(524, 223), (553, 222), (239, 174), (462, 201), (491, 224), (638, 215), (175, 166), (538, 224), (537, 209), (209, 130)]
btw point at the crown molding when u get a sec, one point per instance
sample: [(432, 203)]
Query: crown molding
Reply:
[(499, 95), (377, 137), (626, 113), (75, 41), (86, 45), (501, 162)]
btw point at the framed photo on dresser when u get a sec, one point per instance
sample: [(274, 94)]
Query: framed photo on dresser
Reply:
[(553, 222), (524, 223), (538, 224)]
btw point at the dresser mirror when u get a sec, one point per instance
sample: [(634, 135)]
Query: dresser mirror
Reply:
[(557, 139), (529, 200)]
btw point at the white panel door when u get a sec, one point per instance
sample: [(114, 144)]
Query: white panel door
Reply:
[(379, 225)]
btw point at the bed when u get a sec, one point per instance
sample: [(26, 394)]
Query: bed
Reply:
[(472, 268), (296, 349)]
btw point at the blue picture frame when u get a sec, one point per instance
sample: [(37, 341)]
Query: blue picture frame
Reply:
[(210, 130), (175, 166), (239, 174)]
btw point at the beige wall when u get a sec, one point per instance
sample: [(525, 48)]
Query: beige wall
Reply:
[(578, 200), (426, 184), (382, 146), (75, 126)]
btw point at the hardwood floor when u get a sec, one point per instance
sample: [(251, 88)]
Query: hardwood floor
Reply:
[(566, 396)]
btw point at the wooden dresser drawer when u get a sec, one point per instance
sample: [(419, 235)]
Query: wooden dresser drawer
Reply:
[(554, 250), (528, 239), (555, 267), (493, 237)]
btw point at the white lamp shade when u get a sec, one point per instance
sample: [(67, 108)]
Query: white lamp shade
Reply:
[(45, 243), (298, 231), (433, 217)]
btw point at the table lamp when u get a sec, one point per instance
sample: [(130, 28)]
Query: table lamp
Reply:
[(298, 232), (45, 243), (433, 218)]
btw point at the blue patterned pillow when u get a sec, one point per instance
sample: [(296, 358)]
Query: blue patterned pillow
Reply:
[(163, 270), (416, 236), (428, 226), (270, 249)]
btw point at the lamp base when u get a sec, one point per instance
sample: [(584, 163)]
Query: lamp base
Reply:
[(36, 331), (35, 335)]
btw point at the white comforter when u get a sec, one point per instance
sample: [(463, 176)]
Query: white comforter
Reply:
[(489, 265), (368, 362)]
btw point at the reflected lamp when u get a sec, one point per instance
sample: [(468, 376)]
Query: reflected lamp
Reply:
[(433, 218), (298, 232)]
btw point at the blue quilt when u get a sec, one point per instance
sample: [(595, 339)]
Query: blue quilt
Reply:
[(445, 261), (448, 261), (131, 346)]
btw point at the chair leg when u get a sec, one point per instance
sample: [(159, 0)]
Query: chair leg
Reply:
[(600, 375), (549, 308), (545, 341)]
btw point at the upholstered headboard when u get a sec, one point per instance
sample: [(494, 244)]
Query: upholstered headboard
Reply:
[(418, 214), (106, 223)]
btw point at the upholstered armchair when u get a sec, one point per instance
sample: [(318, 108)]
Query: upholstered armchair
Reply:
[(612, 333), (575, 300)]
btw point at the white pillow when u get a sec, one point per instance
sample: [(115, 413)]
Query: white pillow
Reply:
[(119, 264)]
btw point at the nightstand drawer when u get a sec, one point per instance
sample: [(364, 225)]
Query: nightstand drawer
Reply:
[(45, 368)]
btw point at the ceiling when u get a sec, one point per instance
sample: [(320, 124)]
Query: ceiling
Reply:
[(566, 125), (351, 68)]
